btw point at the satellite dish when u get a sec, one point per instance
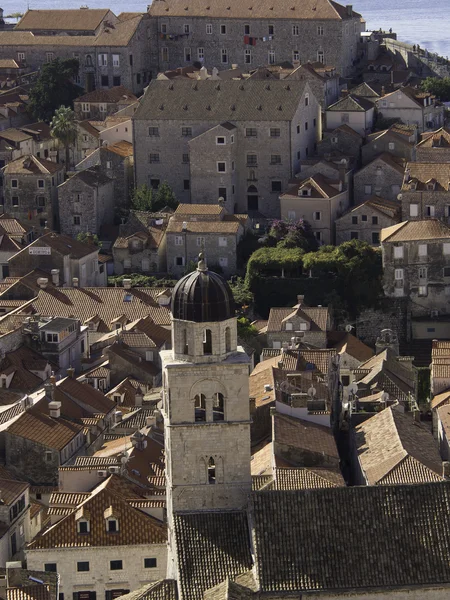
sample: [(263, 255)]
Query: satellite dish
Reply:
[(312, 392), (353, 388), (348, 328)]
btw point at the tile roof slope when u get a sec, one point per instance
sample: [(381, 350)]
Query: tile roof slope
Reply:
[(14, 135), (230, 227), (121, 148), (199, 209), (409, 471), (435, 139), (306, 478), (351, 345), (92, 176), (441, 399), (396, 163), (17, 361), (423, 172), (410, 231), (318, 317), (13, 226), (347, 129), (294, 531), (385, 439), (252, 100), (11, 489), (364, 90), (106, 303), (75, 20), (322, 187), (66, 245), (210, 547), (85, 394), (229, 590), (305, 435), (118, 94), (265, 9), (165, 589), (30, 164), (36, 426), (158, 334), (351, 103)]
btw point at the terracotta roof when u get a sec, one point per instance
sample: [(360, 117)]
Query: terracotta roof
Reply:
[(441, 371), (411, 231), (68, 498), (321, 9), (210, 547), (388, 208), (420, 174), (133, 358), (93, 177), (35, 425), (158, 334), (199, 209), (31, 165), (114, 95), (346, 129), (22, 362), (14, 135), (349, 344), (257, 383), (363, 90), (316, 316), (306, 478), (10, 490), (13, 226), (135, 527), (351, 103), (441, 399), (69, 20), (396, 163), (320, 187), (304, 435), (89, 128), (8, 63), (435, 139), (136, 419), (294, 531), (386, 439), (226, 227), (84, 394), (158, 590), (122, 148), (128, 387), (210, 100), (104, 303)]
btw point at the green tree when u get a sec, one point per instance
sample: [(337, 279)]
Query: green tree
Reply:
[(241, 294), (63, 127), (142, 198), (146, 199), (54, 88), (293, 234), (164, 197), (437, 86), (16, 15), (89, 238)]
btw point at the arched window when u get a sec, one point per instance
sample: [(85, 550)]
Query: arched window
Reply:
[(185, 342), (200, 407), (207, 341), (211, 471), (88, 60), (218, 407), (227, 339), (252, 198)]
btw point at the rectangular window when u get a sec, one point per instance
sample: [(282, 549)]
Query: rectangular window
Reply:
[(223, 29), (49, 57), (391, 146), (398, 274), (374, 220), (187, 29), (201, 241), (446, 248), (115, 565), (413, 210), (14, 183), (271, 56), (153, 158), (185, 158), (102, 107), (275, 159), (105, 81), (367, 189), (398, 251), (423, 249), (209, 28), (15, 200), (354, 220), (77, 220), (187, 55), (21, 56), (423, 272), (252, 160), (276, 186), (153, 131), (223, 193), (275, 132), (116, 80), (201, 54), (291, 215), (150, 563), (247, 57), (186, 184), (220, 140), (295, 56), (179, 261), (165, 54), (221, 167), (423, 290), (375, 237), (154, 184), (178, 240), (40, 201), (429, 211), (163, 27), (102, 60), (321, 59), (317, 216), (223, 261), (251, 132), (320, 30), (364, 218), (353, 235), (186, 131), (246, 29), (295, 30), (83, 566), (223, 242), (271, 30), (224, 56), (50, 567), (116, 60), (41, 183)]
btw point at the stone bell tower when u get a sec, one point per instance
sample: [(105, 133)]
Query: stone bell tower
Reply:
[(205, 404)]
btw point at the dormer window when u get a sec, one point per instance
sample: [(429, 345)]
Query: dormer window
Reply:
[(431, 185), (83, 526), (303, 326), (288, 326), (111, 521)]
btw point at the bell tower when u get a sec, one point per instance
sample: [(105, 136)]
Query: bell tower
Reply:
[(205, 403)]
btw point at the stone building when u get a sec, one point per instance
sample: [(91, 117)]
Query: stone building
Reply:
[(366, 220), (320, 201), (210, 139), (141, 244), (88, 140), (434, 147), (357, 113), (86, 202), (308, 324), (30, 194), (66, 22), (412, 107), (382, 177), (116, 55), (63, 258), (210, 228), (15, 519), (426, 191), (341, 141), (244, 34), (398, 141), (8, 247), (99, 104), (323, 80), (416, 264)]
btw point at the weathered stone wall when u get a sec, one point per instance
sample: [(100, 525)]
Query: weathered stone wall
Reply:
[(392, 314), (384, 181), (439, 200), (387, 144), (366, 230)]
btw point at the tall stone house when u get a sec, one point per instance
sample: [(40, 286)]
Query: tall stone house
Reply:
[(320, 201), (416, 265), (412, 107), (357, 113), (118, 54), (398, 140), (30, 190), (248, 34), (101, 103), (382, 177), (238, 140), (15, 519), (434, 147), (208, 228), (366, 220), (343, 140), (323, 80), (426, 191), (86, 202)]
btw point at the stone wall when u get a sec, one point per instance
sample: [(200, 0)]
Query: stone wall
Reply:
[(384, 181), (392, 314), (438, 200)]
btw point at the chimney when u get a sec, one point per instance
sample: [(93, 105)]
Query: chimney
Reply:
[(55, 277), (49, 392), (383, 90), (349, 8), (234, 66), (203, 74), (300, 299), (71, 372), (138, 398), (75, 282), (184, 226), (127, 284), (42, 282), (54, 409), (446, 469), (221, 201)]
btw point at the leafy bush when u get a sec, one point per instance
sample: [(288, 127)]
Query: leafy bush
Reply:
[(138, 280)]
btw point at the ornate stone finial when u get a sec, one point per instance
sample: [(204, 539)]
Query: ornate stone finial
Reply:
[(202, 262)]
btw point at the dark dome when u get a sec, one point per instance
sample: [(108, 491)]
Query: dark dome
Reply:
[(202, 296)]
